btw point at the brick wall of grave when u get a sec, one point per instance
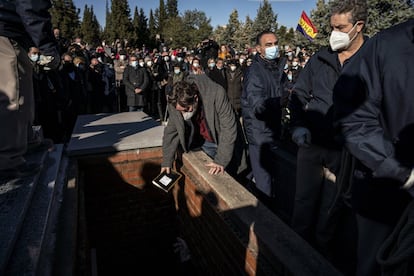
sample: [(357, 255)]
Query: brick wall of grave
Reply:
[(130, 226)]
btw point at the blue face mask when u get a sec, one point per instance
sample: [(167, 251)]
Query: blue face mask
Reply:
[(271, 52)]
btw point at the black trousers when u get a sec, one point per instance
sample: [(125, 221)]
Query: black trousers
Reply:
[(371, 235), (315, 192)]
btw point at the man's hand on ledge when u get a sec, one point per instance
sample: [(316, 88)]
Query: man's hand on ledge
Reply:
[(166, 169), (215, 168)]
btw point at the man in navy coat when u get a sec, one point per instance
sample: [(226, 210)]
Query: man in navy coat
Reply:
[(374, 107), (261, 104)]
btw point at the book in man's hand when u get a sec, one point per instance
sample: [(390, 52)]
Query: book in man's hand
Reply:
[(165, 181)]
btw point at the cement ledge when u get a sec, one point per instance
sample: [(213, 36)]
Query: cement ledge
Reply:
[(269, 236)]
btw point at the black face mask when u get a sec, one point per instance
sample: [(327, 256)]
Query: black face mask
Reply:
[(98, 67), (68, 66)]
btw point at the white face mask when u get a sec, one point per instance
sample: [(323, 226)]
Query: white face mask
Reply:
[(271, 52), (134, 63), (34, 58), (177, 71), (196, 65), (179, 59), (241, 60), (188, 115), (141, 64), (340, 41), (149, 63), (211, 64), (295, 63), (233, 68), (122, 57)]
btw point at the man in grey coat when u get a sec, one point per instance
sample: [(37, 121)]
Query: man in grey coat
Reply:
[(200, 116), (136, 82)]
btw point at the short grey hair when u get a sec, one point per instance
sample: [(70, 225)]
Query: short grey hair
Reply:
[(357, 8)]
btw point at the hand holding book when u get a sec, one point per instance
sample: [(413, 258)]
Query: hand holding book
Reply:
[(166, 179)]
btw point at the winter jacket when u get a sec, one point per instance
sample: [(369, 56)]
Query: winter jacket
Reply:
[(220, 118), (219, 76), (234, 88), (136, 78), (374, 106), (311, 100), (262, 100), (119, 67)]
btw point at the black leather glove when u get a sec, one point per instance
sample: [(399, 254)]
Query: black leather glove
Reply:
[(301, 136)]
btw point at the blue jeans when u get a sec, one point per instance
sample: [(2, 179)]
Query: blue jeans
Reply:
[(209, 148)]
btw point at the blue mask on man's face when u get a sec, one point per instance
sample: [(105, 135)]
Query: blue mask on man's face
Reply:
[(271, 52)]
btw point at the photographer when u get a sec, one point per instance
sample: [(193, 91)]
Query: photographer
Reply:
[(45, 96), (209, 49)]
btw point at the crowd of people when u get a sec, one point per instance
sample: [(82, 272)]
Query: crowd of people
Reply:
[(119, 78), (338, 106)]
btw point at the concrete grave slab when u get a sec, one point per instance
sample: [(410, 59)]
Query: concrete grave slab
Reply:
[(103, 133)]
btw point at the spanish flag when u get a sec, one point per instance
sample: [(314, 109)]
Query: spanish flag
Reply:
[(306, 27)]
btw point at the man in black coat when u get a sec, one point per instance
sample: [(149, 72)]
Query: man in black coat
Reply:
[(374, 106), (218, 74), (234, 76), (22, 24), (319, 154)]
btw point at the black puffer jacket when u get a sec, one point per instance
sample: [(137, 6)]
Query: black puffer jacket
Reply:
[(28, 23)]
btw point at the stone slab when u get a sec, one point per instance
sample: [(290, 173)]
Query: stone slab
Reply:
[(37, 219), (15, 199), (102, 133)]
